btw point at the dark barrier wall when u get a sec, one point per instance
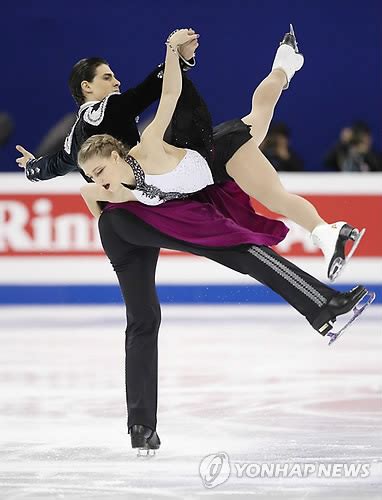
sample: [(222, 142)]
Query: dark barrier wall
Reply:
[(341, 41)]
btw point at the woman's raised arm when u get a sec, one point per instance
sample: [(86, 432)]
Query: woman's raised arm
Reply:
[(172, 85)]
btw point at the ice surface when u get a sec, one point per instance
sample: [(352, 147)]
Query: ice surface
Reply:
[(255, 382)]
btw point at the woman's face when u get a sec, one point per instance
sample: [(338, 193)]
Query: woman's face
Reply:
[(104, 171)]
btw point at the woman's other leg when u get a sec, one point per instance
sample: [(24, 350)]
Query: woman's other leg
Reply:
[(287, 61), (252, 171), (264, 100), (256, 176)]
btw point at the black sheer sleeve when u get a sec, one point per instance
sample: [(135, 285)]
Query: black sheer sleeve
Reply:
[(191, 125), (135, 100)]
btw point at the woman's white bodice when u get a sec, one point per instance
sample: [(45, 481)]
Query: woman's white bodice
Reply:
[(192, 174)]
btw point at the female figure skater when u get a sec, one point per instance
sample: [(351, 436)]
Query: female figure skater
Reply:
[(153, 172)]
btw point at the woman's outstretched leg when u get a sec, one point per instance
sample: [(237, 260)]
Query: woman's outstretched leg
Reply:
[(249, 167), (252, 171), (256, 176)]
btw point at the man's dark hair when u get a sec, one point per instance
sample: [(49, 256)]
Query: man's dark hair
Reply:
[(85, 69)]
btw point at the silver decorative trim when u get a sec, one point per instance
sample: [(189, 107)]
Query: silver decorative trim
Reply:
[(149, 190), (95, 116), (69, 137), (289, 275)]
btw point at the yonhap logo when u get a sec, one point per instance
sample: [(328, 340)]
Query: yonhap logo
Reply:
[(215, 469)]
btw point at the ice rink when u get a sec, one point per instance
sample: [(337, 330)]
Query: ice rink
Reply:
[(254, 382)]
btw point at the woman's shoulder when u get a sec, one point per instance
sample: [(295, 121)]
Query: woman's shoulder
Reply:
[(136, 150)]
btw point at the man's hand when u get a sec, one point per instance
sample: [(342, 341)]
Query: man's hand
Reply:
[(181, 36), (187, 50), (26, 156)]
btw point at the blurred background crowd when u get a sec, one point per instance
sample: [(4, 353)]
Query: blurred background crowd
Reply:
[(353, 151)]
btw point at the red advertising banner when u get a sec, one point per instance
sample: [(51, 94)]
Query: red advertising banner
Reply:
[(57, 224), (60, 224)]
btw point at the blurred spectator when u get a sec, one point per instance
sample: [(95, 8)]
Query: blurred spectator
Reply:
[(55, 137), (354, 152), (6, 128), (278, 151)]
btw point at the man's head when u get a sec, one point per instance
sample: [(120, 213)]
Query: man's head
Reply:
[(91, 79)]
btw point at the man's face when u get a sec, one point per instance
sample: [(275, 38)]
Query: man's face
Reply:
[(103, 84)]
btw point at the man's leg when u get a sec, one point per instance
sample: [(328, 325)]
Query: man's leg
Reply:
[(135, 268), (125, 239), (303, 292)]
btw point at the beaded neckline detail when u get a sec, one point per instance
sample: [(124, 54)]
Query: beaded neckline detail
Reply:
[(148, 189)]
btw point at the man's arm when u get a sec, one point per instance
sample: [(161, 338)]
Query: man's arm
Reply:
[(187, 55), (135, 100), (46, 167)]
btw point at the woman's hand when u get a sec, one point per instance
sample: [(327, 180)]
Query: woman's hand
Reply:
[(94, 192), (181, 37), (120, 195)]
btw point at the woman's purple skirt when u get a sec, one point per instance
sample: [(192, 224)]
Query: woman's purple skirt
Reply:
[(219, 216)]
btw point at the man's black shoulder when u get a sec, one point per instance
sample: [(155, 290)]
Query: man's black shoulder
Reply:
[(95, 114)]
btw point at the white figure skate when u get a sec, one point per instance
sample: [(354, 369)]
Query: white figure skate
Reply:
[(332, 239)]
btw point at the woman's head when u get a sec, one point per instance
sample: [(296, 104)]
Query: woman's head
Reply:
[(101, 158), (92, 79)]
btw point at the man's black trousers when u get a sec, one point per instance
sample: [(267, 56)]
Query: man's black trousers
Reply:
[(133, 248)]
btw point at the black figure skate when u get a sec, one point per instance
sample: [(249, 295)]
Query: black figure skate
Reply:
[(356, 300), (145, 439)]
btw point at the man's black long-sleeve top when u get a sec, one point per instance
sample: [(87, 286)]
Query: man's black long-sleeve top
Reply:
[(114, 115)]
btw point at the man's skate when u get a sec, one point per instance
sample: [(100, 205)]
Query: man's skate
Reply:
[(145, 439), (355, 301), (288, 57), (332, 240)]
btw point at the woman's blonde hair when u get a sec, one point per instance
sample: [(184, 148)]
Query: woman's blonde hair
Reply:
[(100, 145)]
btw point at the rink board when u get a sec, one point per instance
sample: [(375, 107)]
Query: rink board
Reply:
[(50, 250)]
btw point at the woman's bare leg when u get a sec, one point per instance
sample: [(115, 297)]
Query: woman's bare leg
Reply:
[(256, 176), (264, 100), (251, 169)]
